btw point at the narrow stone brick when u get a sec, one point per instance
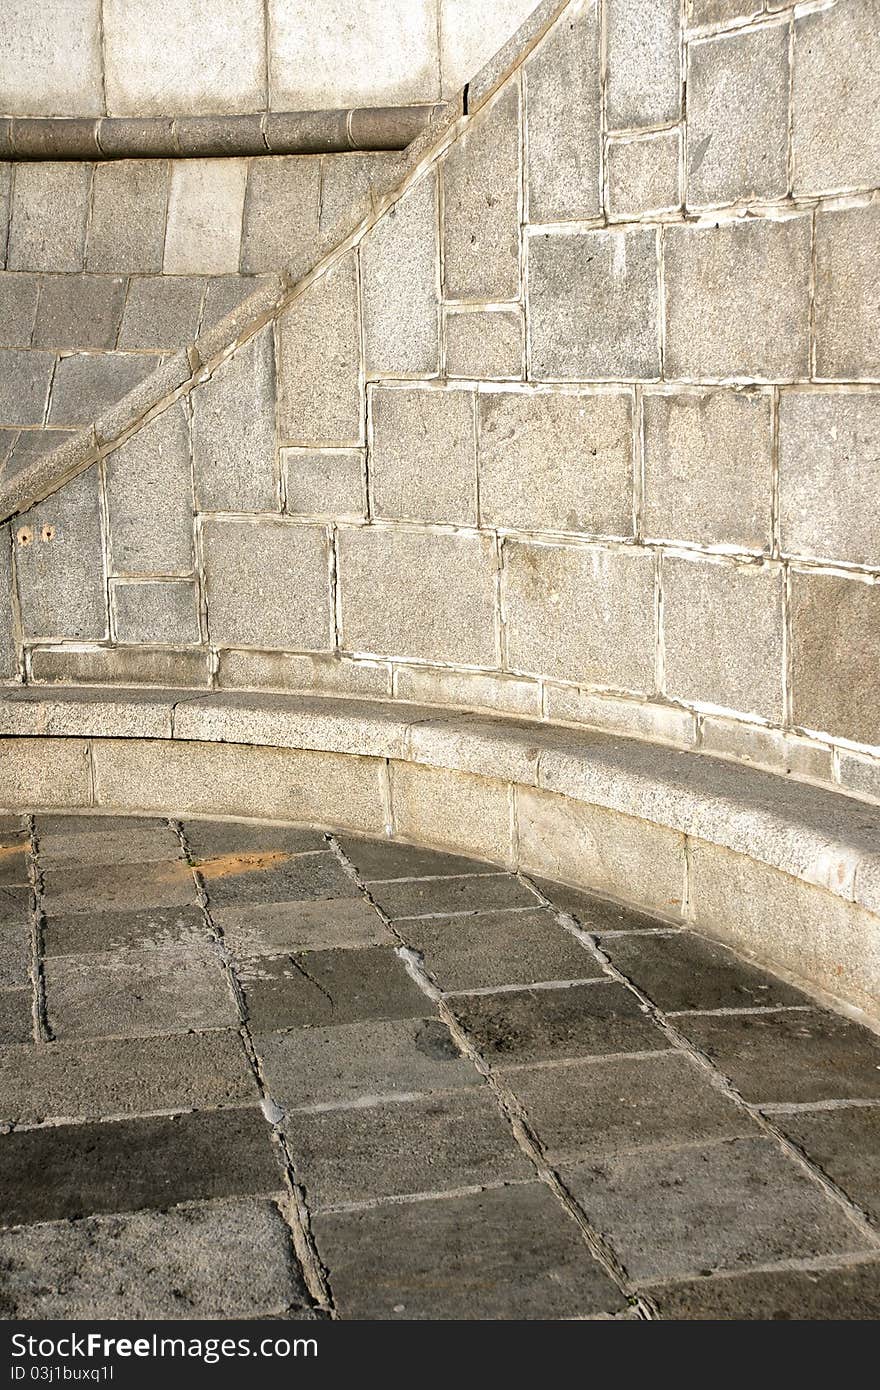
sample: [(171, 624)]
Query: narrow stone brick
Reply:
[(481, 195), (322, 326), (268, 584), (595, 914), (281, 211), (61, 581), (327, 988), (836, 101), (207, 839), (829, 474), (126, 232), (162, 311), (279, 928), (147, 928), (16, 1017), (149, 497), (15, 957), (563, 96), (101, 888), (644, 67), (399, 266), (847, 290), (49, 210), (156, 611), (835, 624), (157, 666), (377, 860), (231, 880), (423, 455), (233, 432)]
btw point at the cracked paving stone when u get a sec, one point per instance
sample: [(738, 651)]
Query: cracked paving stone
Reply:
[(262, 877), (798, 1294), (224, 1259), (509, 1252), (362, 1061), (437, 1142), (683, 971), (788, 1057), (133, 993), (845, 1143), (594, 914), (377, 861), (498, 948), (536, 1025), (16, 906), (301, 926), (439, 897), (208, 839), (150, 928), (103, 888), (320, 987), (625, 1103), (68, 1171), (740, 1202), (16, 1016), (15, 957)]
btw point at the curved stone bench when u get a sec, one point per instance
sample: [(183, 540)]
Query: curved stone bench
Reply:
[(788, 872)]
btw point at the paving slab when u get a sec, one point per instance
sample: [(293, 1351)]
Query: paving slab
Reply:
[(536, 1025), (50, 827), (223, 1259), (438, 897), (498, 948), (15, 956), (596, 914), (730, 1205), (260, 877), (361, 1061), (149, 928), (68, 1171), (102, 888), (378, 861), (16, 1016), (209, 838), (683, 971), (845, 1143), (509, 1252), (788, 1057), (328, 987), (119, 846), (14, 865), (16, 905), (799, 1294), (272, 928)]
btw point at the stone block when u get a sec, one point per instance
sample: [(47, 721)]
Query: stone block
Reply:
[(50, 64), (845, 1144), (233, 432), (272, 929), (723, 11), (326, 988), (644, 62), (225, 294), (193, 59), (231, 880), (327, 483), (423, 455), (603, 850), (723, 634), (593, 305), (481, 200), (737, 109), (16, 1021), (737, 299), (400, 273), (612, 592), (281, 212), (5, 204), (44, 772), (679, 971), (328, 674), (835, 628), (829, 474), (708, 467), (87, 385), (61, 584), (383, 611), (835, 101), (79, 311), (206, 839), (643, 174), (162, 311), (450, 897), (847, 289), (268, 584), (563, 120), (91, 888), (205, 208), (467, 689), (149, 498), (556, 461), (852, 1292), (126, 233), (15, 956), (470, 37), (384, 861), (498, 948), (154, 611), (120, 666), (49, 211), (320, 399), (19, 293), (485, 345), (452, 810), (25, 378)]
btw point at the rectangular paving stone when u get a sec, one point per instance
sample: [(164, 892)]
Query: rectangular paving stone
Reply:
[(509, 1252), (24, 386), (19, 293), (799, 1294), (683, 971), (423, 455), (596, 914), (277, 928), (117, 843), (834, 620), (485, 344), (400, 285), (466, 894), (137, 993), (49, 212), (79, 311), (127, 226), (154, 611), (787, 1057), (69, 1171), (312, 988), (15, 956), (536, 1025), (498, 948), (209, 839), (426, 1145), (149, 498), (100, 888), (685, 1211), (150, 928), (233, 432), (563, 120), (268, 584), (845, 1143), (836, 119), (644, 64), (231, 880), (86, 385), (58, 827), (360, 1062), (101, 1077), (16, 1016), (481, 196), (205, 208), (61, 582), (158, 1264), (14, 863), (847, 285), (620, 1104), (379, 860), (829, 468), (162, 311), (281, 210), (323, 324)]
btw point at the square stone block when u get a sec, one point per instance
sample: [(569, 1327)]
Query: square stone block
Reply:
[(485, 345), (126, 231), (401, 284), (79, 311), (423, 455), (281, 214), (50, 62), (562, 84), (829, 474), (847, 291), (835, 630), (319, 394), (644, 62), (205, 208), (61, 584), (165, 610), (835, 100), (49, 211), (481, 197), (149, 498), (233, 432), (326, 482), (162, 311), (593, 311), (643, 174), (268, 584)]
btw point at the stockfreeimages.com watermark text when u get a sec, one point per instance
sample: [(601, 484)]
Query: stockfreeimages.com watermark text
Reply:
[(97, 1346)]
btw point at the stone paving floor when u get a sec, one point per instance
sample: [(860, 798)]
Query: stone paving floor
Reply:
[(250, 1071)]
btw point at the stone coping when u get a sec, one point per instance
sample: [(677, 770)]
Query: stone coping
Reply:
[(199, 137)]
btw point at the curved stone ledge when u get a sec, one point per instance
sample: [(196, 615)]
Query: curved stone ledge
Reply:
[(790, 873)]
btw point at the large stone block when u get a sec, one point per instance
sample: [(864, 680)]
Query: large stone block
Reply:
[(405, 593), (205, 209), (737, 126), (738, 299), (164, 610), (162, 311), (481, 197), (829, 474), (485, 346), (723, 634), (644, 62), (319, 399), (556, 461), (708, 467), (50, 59), (127, 227), (593, 305), (835, 632), (581, 613), (268, 584), (60, 563), (47, 229), (192, 58), (51, 772), (835, 138), (452, 810), (233, 432), (563, 125), (643, 174), (149, 498), (400, 269), (281, 214), (847, 293), (423, 455), (141, 665)]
